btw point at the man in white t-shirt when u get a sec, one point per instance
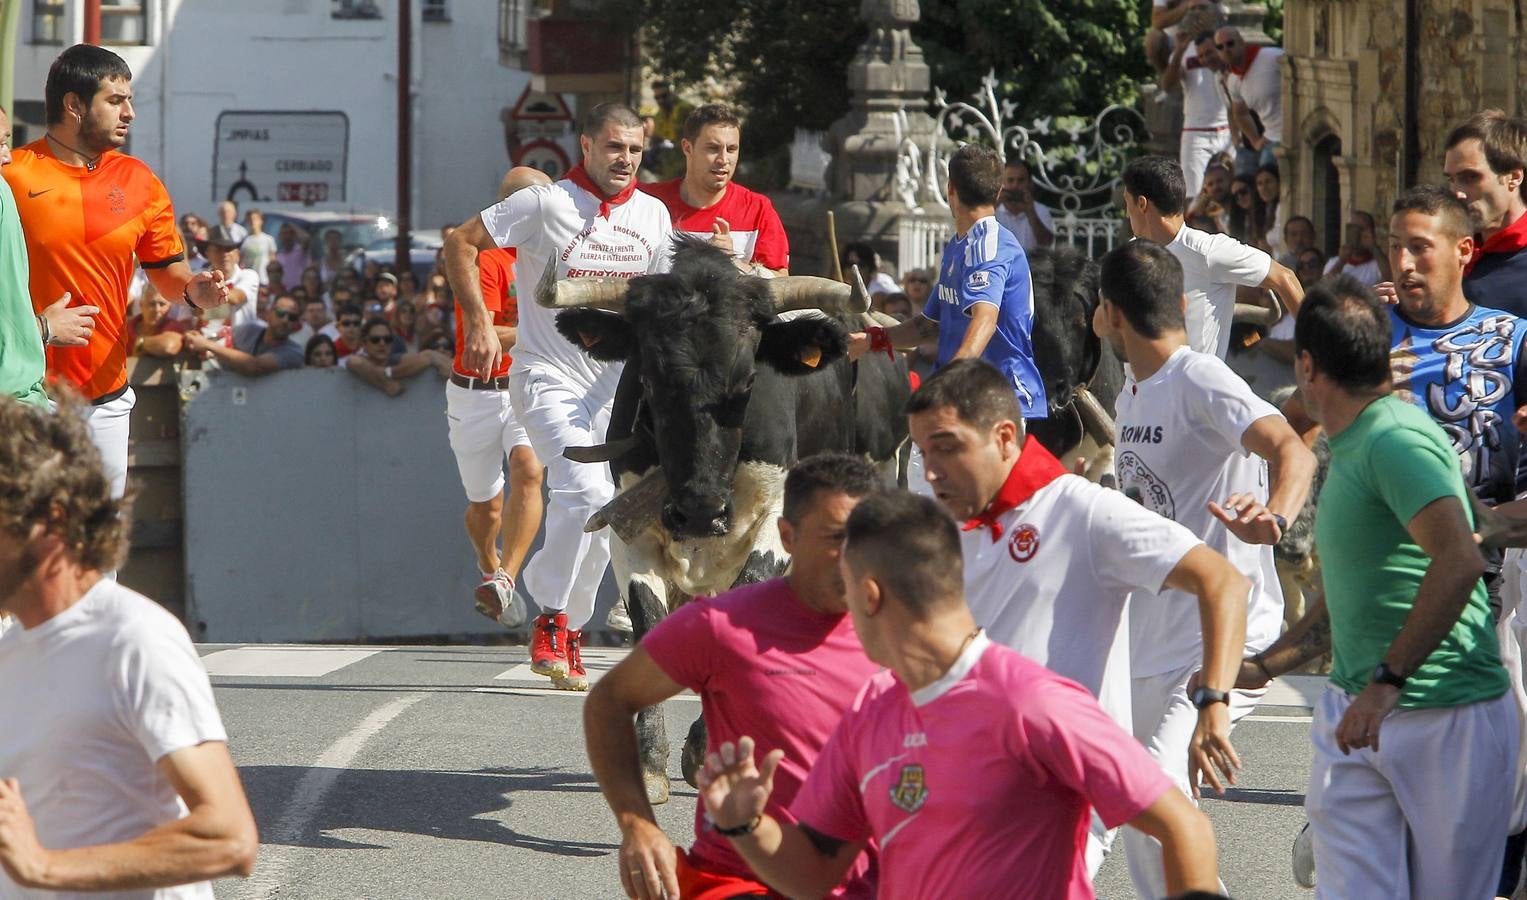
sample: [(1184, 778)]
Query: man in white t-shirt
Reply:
[(1254, 84), (1213, 265), (1359, 255), (243, 284), (1191, 436), (114, 766), (258, 248), (1195, 68), (592, 223), (1051, 558), (1019, 212)]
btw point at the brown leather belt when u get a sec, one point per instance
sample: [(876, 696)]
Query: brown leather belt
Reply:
[(501, 383)]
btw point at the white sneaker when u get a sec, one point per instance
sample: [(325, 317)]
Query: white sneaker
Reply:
[(1304, 858), (497, 599), (619, 618)]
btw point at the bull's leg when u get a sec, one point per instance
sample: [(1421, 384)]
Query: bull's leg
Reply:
[(644, 593)]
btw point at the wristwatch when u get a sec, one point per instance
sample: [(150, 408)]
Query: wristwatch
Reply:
[(1281, 522), (1203, 697), (1382, 674)]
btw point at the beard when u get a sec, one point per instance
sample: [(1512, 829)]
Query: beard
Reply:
[(95, 138)]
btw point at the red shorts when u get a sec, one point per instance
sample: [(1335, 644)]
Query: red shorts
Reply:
[(700, 884)]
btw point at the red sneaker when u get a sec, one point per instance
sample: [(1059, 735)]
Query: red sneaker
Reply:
[(548, 647), (576, 678)]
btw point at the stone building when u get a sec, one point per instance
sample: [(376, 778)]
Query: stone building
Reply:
[(1371, 89)]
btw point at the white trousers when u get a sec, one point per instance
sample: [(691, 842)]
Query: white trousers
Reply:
[(1164, 719), (483, 429), (557, 412), (1426, 815), (1196, 149), (108, 431)]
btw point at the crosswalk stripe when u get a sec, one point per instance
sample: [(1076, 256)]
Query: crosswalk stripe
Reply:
[(283, 662)]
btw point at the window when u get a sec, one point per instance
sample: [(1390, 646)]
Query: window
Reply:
[(511, 32), (48, 22), (437, 11), (355, 9), (124, 22)]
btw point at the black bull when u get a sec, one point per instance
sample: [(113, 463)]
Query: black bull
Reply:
[(720, 396)]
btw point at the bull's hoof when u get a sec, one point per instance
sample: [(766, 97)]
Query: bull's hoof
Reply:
[(656, 784), (692, 759)]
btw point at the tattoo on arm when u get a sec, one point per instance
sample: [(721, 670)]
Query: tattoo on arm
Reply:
[(1316, 641)]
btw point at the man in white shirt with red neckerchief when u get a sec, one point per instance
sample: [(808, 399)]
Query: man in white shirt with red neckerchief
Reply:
[(1213, 265), (1205, 124), (1191, 436), (1051, 558), (592, 223), (706, 203)]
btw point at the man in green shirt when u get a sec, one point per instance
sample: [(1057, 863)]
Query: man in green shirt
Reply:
[(1422, 813), (22, 332)]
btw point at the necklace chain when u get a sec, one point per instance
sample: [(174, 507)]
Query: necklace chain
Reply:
[(90, 161)]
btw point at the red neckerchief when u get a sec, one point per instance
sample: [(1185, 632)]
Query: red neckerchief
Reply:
[(1251, 56), (1034, 469), (1508, 240), (580, 177), (1360, 258)]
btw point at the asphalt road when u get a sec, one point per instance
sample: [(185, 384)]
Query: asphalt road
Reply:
[(452, 772)]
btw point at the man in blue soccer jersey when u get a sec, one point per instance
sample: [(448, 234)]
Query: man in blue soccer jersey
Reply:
[(983, 305)]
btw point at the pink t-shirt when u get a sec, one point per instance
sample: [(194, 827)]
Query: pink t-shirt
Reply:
[(980, 784), (767, 666)]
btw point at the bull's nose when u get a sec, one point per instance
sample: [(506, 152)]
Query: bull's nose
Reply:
[(702, 517)]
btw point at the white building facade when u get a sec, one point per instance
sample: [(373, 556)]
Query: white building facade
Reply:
[(290, 104)]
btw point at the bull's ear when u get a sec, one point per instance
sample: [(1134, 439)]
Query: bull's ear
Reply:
[(802, 345), (605, 336)]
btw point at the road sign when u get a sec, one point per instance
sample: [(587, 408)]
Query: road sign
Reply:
[(283, 157)]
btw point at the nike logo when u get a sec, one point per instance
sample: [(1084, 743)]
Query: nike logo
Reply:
[(33, 195)]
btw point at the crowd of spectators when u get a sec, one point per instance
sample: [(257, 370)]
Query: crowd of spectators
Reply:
[(294, 300)]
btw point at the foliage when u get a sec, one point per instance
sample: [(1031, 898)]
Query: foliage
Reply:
[(1273, 24)]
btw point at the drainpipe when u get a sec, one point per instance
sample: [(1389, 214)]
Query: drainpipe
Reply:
[(1410, 162), (402, 254), (93, 22)]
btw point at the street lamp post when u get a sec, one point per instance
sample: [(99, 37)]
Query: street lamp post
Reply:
[(403, 254)]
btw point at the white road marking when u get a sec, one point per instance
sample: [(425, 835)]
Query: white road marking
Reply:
[(283, 662), (1294, 690), (553, 692), (596, 661), (271, 871), (1291, 720)]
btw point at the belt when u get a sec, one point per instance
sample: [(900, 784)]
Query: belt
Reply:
[(1217, 128), (108, 397), (501, 383)]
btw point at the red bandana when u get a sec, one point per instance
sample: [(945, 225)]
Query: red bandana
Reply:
[(1508, 240), (580, 177), (1034, 469), (1251, 56)]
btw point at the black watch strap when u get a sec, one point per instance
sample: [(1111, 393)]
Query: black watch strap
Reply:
[(186, 296), (1204, 697), (740, 830), (1382, 674), (1281, 522)]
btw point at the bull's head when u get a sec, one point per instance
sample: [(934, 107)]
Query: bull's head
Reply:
[(696, 337)]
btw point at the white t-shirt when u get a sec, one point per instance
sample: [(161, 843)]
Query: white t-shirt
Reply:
[(256, 252), (1213, 265), (1179, 446), (561, 221), (1367, 273), (1203, 106), (248, 281), (1022, 228), (1261, 89), (91, 700), (1053, 585)]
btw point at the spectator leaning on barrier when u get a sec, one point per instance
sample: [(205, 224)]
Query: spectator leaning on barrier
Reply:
[(153, 332), (345, 329), (318, 353), (383, 365), (115, 765), (258, 349)]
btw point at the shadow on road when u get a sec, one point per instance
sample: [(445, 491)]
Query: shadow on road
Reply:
[(1270, 798), (461, 806)]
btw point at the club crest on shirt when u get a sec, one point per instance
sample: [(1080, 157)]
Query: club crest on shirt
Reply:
[(1143, 486), (1024, 543), (910, 790)]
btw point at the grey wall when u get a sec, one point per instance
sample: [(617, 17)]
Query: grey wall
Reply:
[(319, 509)]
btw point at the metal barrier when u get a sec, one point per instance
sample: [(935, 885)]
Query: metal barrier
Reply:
[(921, 238)]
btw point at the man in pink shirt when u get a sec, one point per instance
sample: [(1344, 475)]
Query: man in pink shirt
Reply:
[(974, 768), (776, 660)]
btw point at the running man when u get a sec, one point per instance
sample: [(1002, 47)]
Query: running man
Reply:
[(88, 209), (974, 768), (592, 223), (706, 203), (777, 660), (1213, 265), (983, 304), (1416, 736), (1050, 559), (484, 432), (1191, 436)]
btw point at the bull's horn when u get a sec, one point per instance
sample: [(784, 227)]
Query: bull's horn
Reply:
[(634, 509), (1095, 418), (574, 293), (600, 453), (1251, 314), (810, 292)]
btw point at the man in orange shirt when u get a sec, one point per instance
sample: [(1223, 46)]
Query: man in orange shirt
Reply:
[(87, 210), (484, 430)]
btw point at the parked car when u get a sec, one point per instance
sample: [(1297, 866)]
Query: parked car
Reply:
[(423, 246), (357, 230)]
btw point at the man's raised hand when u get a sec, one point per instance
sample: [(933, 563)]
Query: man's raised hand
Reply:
[(734, 789)]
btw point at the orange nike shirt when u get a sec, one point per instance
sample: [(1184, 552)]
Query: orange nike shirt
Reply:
[(83, 229)]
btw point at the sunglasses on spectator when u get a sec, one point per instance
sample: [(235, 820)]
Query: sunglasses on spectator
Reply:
[(1241, 193), (918, 280), (1227, 45), (349, 323), (287, 314), (378, 338)]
